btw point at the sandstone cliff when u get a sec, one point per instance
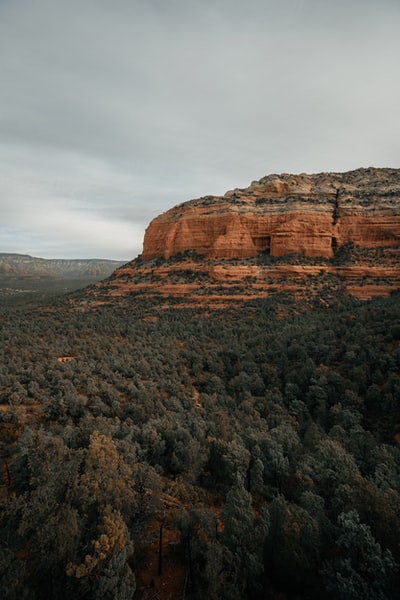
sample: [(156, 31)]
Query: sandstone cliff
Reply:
[(280, 214), (308, 235)]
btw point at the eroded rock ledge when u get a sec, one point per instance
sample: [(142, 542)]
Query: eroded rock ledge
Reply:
[(313, 215), (310, 236)]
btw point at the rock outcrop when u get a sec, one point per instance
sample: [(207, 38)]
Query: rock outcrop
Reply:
[(312, 236), (313, 215)]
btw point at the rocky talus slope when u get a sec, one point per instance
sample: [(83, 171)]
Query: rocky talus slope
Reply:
[(290, 233)]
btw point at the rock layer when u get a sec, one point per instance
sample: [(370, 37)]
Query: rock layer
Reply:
[(313, 215), (312, 236)]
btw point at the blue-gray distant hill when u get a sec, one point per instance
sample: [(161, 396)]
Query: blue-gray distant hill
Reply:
[(21, 273)]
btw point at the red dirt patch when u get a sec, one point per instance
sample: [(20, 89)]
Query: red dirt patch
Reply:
[(170, 584)]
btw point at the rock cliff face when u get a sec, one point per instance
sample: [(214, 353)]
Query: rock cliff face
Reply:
[(313, 236), (313, 215)]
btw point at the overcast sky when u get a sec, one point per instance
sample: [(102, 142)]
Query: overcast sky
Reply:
[(113, 111)]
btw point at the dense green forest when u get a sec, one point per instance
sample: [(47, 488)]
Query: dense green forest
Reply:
[(267, 436)]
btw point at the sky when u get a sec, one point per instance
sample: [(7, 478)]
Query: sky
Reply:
[(114, 111)]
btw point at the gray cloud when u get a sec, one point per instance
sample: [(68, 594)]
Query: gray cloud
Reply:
[(113, 112)]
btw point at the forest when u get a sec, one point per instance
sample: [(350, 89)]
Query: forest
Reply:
[(261, 441)]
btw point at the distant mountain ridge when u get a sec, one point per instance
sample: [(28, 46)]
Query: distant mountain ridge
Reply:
[(22, 274), (13, 264)]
